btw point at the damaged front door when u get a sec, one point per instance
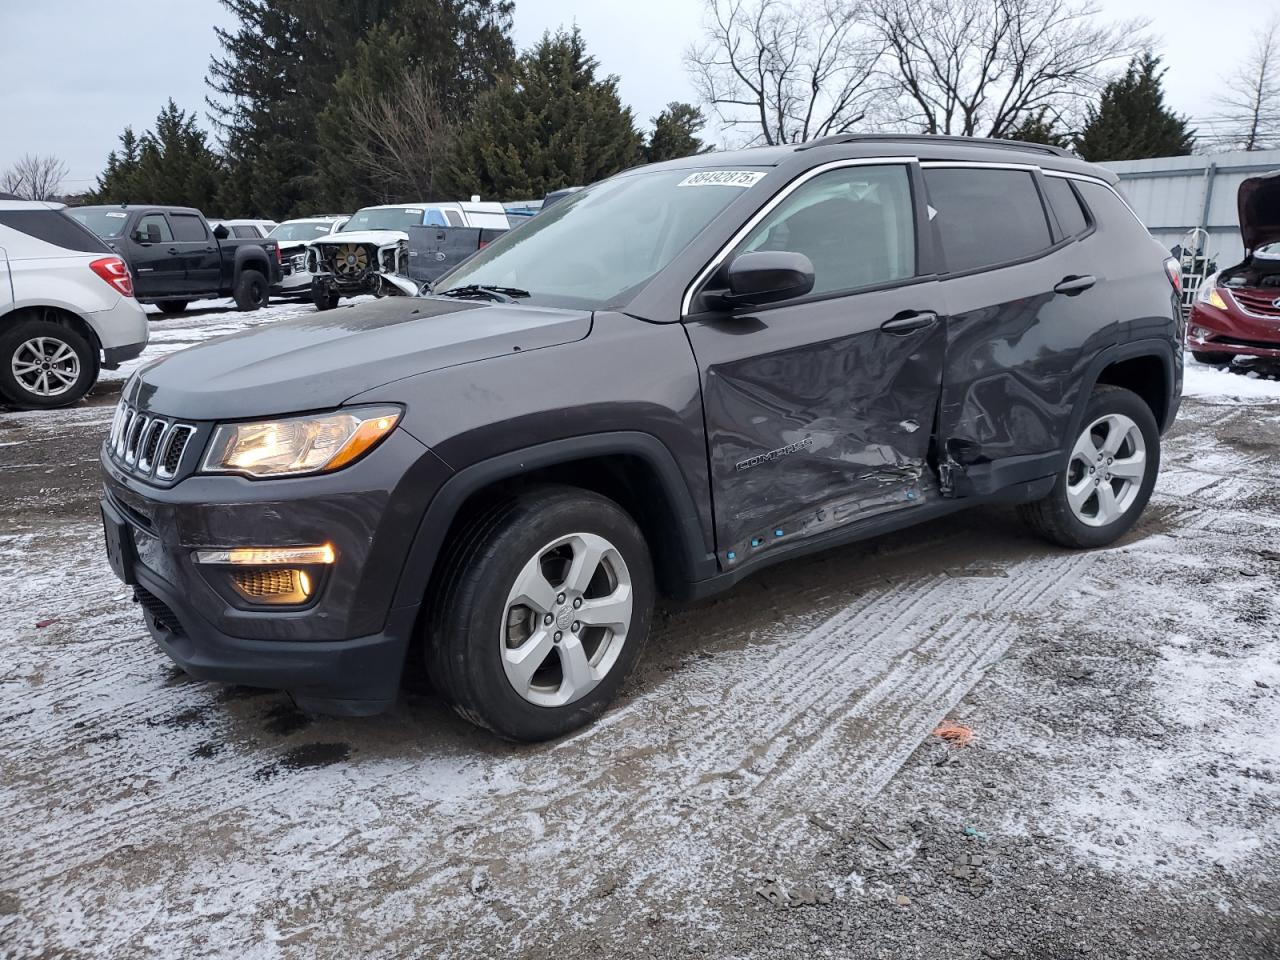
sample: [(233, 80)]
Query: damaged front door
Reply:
[(819, 410)]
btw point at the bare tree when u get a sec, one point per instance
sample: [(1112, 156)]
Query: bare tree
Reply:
[(980, 67), (401, 137), (1251, 119), (785, 71), (34, 177)]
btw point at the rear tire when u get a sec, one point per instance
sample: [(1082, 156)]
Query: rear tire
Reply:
[(1212, 359), (45, 365), (252, 291), (172, 306), (521, 638), (1118, 450)]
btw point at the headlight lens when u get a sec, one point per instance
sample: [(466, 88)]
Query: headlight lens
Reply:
[(1208, 292), (297, 445)]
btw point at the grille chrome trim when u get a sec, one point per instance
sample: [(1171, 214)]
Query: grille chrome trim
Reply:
[(148, 446)]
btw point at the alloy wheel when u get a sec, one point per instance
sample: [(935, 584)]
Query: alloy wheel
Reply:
[(567, 616), (45, 366), (1105, 473)]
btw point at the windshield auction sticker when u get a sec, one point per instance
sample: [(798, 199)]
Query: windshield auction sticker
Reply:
[(721, 178)]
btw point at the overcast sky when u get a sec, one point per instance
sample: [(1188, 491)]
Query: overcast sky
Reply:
[(73, 73)]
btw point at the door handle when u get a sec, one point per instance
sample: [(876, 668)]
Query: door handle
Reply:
[(1073, 285), (909, 320)]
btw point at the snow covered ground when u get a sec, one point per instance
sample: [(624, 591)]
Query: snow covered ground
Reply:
[(1124, 702)]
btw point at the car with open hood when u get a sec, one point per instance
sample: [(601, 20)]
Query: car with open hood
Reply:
[(370, 252), (667, 381), (1236, 311)]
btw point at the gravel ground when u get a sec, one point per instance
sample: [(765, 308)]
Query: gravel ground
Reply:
[(770, 785)]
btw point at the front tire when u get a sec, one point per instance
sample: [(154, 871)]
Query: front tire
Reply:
[(322, 297), (172, 306), (252, 291), (45, 365), (1109, 476), (1212, 359), (544, 605)]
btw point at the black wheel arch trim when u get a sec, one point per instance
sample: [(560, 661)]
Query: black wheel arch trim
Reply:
[(428, 542), (1162, 350)]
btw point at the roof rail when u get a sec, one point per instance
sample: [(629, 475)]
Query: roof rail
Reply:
[(935, 138)]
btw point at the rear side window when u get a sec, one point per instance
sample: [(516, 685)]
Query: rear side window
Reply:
[(986, 217), (1109, 210), (1066, 206), (245, 232), (187, 227), (455, 219), (855, 224), (55, 227)]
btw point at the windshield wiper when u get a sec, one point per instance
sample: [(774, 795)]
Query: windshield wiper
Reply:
[(481, 291)]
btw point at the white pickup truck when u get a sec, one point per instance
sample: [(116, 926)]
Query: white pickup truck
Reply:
[(367, 255)]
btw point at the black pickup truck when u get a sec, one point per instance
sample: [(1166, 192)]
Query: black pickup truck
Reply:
[(176, 257)]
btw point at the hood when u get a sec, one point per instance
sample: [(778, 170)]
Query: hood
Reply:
[(1259, 203), (319, 361), (378, 238)]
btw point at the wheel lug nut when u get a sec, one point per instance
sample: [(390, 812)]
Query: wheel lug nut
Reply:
[(576, 627), (560, 598), (547, 619), (558, 637)]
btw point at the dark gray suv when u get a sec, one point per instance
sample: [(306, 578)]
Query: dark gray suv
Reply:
[(667, 381)]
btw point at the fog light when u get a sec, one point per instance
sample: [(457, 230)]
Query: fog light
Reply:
[(283, 585), (267, 556)]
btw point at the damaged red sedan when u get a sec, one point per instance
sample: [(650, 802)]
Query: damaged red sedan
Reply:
[(1237, 311)]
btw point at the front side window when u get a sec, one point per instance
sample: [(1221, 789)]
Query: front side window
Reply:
[(986, 217), (594, 248), (156, 222), (187, 227), (855, 224), (434, 218)]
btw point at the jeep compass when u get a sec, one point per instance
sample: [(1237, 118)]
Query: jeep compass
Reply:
[(667, 381)]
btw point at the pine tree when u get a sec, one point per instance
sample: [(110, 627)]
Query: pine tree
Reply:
[(170, 164), (1039, 127), (675, 132), (549, 124), (293, 70), (1132, 122)]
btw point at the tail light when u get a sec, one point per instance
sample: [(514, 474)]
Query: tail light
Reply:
[(1174, 269), (114, 272), (279, 256)]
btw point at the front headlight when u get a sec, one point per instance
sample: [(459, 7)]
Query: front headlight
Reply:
[(1208, 292), (319, 443)]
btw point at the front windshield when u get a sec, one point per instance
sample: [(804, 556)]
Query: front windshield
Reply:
[(105, 223), (594, 247), (384, 218), (303, 230)]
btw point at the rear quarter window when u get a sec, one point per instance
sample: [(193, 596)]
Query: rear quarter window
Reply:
[(1066, 206), (55, 227), (986, 217)]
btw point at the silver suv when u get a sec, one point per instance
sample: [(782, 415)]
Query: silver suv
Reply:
[(66, 306)]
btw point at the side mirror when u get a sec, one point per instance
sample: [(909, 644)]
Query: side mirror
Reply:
[(221, 232), (148, 234), (767, 276)]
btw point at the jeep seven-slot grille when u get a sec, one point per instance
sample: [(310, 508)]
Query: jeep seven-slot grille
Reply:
[(146, 445)]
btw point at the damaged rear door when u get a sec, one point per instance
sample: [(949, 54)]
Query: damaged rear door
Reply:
[(819, 410)]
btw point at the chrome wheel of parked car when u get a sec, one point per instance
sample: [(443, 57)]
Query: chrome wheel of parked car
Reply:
[(566, 619), (1108, 465), (45, 366)]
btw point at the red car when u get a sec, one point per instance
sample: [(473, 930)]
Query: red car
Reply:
[(1237, 310)]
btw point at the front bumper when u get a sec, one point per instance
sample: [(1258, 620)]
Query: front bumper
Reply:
[(1213, 330), (343, 652)]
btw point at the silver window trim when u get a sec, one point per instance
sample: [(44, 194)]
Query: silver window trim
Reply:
[(687, 302), (978, 164)]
